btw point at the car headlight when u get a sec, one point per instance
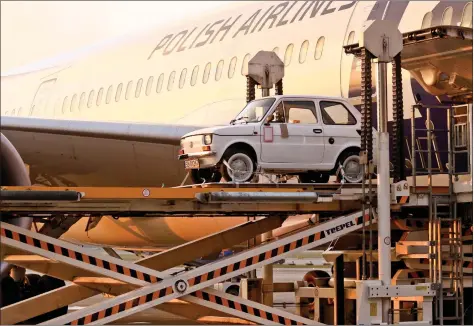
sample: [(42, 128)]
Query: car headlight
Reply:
[(207, 139)]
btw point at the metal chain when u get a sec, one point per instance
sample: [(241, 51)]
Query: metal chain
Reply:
[(366, 147), (250, 89), (279, 87), (398, 153)]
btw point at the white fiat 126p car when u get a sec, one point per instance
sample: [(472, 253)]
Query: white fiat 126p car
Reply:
[(308, 136)]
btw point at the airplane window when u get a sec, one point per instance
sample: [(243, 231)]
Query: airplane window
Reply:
[(149, 85), (138, 90), (350, 38), (128, 90), (159, 84), (466, 20), (194, 75), (82, 101), (109, 94), (219, 70), (427, 20), (118, 93), (303, 51), (99, 96), (74, 103), (245, 65), (207, 71), (288, 54), (91, 98), (171, 80), (65, 104), (232, 64), (182, 78), (447, 16), (318, 52)]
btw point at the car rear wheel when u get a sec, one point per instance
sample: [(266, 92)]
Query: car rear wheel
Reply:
[(353, 171), (199, 176), (238, 166)]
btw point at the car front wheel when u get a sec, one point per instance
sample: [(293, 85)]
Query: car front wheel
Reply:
[(238, 166)]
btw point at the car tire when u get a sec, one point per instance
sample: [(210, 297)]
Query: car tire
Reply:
[(314, 177), (199, 176), (238, 159), (347, 161)]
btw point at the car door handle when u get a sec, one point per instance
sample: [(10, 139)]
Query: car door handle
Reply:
[(317, 131)]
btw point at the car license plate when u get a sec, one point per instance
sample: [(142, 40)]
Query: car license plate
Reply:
[(191, 164)]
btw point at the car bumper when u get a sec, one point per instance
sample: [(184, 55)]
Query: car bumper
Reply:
[(196, 155), (206, 159)]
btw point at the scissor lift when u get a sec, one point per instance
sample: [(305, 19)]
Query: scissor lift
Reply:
[(141, 285)]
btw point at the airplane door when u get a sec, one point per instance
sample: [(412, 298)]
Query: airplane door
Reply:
[(350, 65), (42, 97)]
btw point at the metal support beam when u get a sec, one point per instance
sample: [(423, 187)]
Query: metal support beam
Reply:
[(209, 244), (339, 308), (267, 284), (383, 186)]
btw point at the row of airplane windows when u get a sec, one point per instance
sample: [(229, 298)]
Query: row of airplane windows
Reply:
[(318, 51), (446, 19), (73, 103)]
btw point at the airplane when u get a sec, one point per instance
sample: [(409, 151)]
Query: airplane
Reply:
[(114, 116)]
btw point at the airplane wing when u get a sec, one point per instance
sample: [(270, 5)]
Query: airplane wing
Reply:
[(161, 133), (91, 153)]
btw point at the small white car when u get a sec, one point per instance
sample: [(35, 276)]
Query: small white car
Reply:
[(308, 136)]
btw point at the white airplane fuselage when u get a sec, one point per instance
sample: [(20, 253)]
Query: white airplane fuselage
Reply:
[(190, 75)]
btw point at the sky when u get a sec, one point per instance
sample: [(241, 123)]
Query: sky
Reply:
[(33, 31)]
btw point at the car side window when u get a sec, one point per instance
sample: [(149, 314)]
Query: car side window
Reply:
[(335, 113), (301, 112), (294, 112)]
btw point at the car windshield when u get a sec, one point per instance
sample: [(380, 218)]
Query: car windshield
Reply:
[(255, 110)]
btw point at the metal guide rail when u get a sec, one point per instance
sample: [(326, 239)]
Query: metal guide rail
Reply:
[(155, 287), (209, 199)]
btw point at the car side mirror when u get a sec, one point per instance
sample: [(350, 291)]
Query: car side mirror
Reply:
[(269, 119)]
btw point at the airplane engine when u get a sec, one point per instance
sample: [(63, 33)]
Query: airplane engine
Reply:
[(14, 173)]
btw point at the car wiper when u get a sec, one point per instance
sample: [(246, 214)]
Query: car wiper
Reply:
[(238, 119)]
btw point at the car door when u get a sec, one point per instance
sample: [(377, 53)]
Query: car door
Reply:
[(296, 137), (340, 129)]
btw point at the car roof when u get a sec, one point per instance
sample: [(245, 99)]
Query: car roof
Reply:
[(313, 97)]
